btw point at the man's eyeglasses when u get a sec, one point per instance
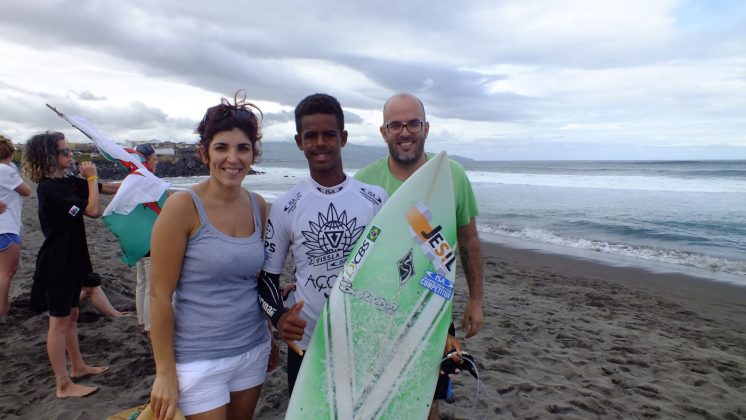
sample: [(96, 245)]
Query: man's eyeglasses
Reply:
[(65, 152), (397, 127)]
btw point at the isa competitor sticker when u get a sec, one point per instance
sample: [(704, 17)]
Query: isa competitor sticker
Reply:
[(438, 284)]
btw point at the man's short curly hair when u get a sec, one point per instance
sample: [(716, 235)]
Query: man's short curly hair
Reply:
[(319, 103)]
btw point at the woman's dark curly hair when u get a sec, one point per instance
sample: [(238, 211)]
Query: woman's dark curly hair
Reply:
[(40, 155), (226, 116)]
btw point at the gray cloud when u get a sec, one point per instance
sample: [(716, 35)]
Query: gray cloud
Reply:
[(86, 95), (572, 59)]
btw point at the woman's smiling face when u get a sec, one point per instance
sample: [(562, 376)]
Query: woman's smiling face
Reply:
[(229, 156)]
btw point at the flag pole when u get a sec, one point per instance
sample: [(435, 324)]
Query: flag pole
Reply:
[(64, 117)]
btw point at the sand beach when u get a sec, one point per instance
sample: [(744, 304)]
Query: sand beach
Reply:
[(562, 338)]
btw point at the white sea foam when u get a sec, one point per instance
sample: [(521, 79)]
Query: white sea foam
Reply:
[(683, 258), (618, 182)]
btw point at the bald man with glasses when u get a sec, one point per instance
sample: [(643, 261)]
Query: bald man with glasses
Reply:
[(405, 130)]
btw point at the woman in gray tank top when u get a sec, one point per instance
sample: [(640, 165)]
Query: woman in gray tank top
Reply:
[(210, 340)]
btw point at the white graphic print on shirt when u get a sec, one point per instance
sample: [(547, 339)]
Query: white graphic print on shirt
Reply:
[(330, 239), (319, 226)]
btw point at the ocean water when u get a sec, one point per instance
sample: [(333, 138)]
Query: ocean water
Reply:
[(667, 216)]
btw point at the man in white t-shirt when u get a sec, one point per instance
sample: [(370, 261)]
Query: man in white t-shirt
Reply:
[(318, 221)]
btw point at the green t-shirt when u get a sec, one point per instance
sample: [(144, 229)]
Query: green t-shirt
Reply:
[(378, 173)]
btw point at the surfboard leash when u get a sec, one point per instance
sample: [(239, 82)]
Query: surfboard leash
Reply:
[(449, 367)]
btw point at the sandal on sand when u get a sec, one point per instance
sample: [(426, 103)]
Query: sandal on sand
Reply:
[(88, 375)]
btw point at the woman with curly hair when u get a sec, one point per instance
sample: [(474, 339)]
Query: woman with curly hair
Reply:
[(63, 258), (12, 188), (211, 341)]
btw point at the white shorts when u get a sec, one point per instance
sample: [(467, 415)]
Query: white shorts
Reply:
[(206, 384)]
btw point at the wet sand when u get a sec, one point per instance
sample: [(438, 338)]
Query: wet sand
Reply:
[(562, 337)]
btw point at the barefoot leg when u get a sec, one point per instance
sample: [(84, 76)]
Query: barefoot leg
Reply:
[(56, 338), (243, 403), (8, 266), (72, 345), (102, 304)]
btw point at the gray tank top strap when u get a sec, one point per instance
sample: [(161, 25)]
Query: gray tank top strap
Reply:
[(200, 208), (257, 213), (203, 213)]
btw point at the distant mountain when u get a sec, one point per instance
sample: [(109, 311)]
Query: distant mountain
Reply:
[(355, 156)]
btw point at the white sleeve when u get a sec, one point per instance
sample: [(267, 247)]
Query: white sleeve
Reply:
[(277, 242), (9, 177)]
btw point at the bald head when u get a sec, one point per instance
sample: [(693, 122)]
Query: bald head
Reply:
[(405, 130), (403, 99)]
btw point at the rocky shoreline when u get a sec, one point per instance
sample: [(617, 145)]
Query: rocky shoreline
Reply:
[(168, 166), (184, 162)]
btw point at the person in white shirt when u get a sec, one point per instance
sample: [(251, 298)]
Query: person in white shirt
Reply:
[(318, 221), (142, 289), (12, 188)]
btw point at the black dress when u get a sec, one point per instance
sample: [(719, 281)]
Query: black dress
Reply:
[(63, 258)]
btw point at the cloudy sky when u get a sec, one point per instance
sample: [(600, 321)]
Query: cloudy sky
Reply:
[(501, 79)]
